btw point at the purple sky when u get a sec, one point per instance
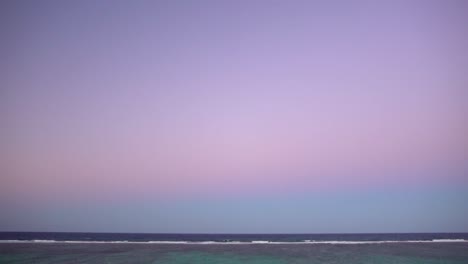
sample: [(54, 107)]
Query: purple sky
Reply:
[(179, 113)]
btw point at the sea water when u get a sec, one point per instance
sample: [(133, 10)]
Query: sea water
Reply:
[(25, 247)]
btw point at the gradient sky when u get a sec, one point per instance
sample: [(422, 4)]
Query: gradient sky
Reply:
[(234, 116)]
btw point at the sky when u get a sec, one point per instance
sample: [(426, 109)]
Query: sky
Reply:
[(234, 116)]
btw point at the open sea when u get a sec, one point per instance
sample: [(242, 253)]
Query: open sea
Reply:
[(36, 247)]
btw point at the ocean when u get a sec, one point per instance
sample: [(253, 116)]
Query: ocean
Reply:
[(36, 247)]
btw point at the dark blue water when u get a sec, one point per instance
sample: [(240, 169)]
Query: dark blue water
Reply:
[(140, 237), (439, 248)]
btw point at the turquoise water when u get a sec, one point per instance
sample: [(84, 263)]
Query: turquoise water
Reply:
[(405, 253), (228, 258)]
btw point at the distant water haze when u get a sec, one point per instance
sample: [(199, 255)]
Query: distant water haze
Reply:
[(178, 116)]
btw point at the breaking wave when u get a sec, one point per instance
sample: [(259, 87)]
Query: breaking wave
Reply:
[(235, 242)]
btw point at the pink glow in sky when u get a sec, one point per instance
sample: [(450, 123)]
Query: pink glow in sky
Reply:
[(174, 98)]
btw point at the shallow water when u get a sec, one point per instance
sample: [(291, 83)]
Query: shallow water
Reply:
[(447, 253)]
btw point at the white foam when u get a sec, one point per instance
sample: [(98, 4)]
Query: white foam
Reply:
[(385, 241), (260, 242), (167, 242), (449, 240), (237, 242), (43, 241), (208, 242)]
